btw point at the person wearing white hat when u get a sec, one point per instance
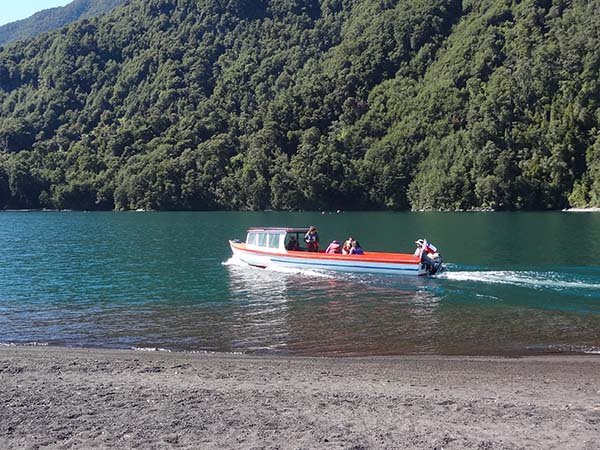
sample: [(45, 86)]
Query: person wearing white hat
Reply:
[(424, 248)]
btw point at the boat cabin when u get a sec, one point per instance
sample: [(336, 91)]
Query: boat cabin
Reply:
[(276, 239)]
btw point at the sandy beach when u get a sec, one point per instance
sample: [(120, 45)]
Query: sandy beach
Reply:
[(80, 398)]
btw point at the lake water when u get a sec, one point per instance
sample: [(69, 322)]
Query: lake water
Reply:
[(517, 283)]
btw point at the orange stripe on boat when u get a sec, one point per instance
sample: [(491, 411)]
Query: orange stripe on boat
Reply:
[(400, 258)]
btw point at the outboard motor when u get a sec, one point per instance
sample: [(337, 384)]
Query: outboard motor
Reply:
[(433, 263), (430, 257)]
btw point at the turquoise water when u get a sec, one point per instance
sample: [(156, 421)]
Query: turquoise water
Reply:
[(517, 283)]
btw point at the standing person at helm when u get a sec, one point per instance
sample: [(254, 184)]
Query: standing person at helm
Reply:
[(424, 248), (312, 240), (430, 258)]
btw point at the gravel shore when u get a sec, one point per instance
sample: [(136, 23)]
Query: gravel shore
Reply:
[(80, 398)]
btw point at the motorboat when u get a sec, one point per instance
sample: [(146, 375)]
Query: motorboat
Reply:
[(268, 247)]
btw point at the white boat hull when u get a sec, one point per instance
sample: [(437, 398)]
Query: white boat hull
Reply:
[(339, 263)]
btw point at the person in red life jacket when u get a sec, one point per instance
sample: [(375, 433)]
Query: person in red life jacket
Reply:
[(424, 249), (356, 249), (429, 256), (334, 247), (347, 246), (312, 240)]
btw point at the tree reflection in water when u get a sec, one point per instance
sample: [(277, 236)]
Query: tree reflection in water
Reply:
[(315, 313)]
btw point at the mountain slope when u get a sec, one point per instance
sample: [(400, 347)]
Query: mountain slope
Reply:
[(53, 18), (289, 104)]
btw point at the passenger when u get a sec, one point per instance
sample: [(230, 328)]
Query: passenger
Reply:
[(293, 244), (356, 249), (312, 240), (347, 246), (334, 247)]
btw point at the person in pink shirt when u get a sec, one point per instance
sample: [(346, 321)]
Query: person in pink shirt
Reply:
[(334, 247)]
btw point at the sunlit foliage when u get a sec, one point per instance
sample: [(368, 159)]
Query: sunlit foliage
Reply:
[(289, 104)]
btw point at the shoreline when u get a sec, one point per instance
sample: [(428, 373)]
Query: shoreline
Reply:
[(81, 397), (474, 210), (591, 209), (529, 352)]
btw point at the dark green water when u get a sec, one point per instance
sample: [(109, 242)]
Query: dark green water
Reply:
[(517, 283)]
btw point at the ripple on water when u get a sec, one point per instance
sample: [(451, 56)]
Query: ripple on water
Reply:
[(158, 282)]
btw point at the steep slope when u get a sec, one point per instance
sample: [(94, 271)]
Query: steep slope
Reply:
[(53, 18), (427, 104)]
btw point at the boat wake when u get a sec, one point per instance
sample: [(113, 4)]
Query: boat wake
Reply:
[(236, 262), (536, 280), (549, 280)]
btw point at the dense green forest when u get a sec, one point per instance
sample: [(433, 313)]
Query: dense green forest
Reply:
[(53, 18), (315, 104)]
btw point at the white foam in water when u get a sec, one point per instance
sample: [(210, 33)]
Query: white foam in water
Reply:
[(538, 280), (24, 344), (150, 349), (235, 261), (307, 272), (568, 348)]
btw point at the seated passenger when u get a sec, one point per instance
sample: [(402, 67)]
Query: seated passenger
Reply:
[(334, 247), (356, 249), (347, 246), (293, 244), (312, 240)]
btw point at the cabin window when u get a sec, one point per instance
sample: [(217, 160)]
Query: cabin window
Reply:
[(252, 239), (273, 240), (262, 240)]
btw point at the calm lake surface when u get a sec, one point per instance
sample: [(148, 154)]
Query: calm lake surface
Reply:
[(517, 283)]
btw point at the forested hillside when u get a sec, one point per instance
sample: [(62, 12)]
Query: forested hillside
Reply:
[(289, 104), (53, 18)]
